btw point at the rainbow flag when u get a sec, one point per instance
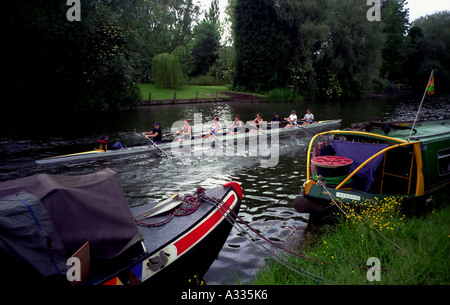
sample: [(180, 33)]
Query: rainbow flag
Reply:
[(430, 87)]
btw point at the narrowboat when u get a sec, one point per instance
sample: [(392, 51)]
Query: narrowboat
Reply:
[(370, 161), (80, 229)]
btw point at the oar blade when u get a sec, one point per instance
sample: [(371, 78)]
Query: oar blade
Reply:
[(163, 207)]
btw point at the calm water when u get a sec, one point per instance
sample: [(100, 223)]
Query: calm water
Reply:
[(268, 192)]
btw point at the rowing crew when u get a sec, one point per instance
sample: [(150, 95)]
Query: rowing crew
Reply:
[(186, 131)]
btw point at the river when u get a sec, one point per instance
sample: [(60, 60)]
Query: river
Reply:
[(268, 192)]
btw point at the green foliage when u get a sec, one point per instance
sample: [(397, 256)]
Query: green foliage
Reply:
[(325, 49), (224, 68), (203, 80), (185, 59), (166, 71), (432, 50), (340, 254), (262, 48), (282, 95), (205, 49), (395, 25)]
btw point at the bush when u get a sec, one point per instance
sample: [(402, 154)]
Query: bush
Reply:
[(283, 95), (203, 80)]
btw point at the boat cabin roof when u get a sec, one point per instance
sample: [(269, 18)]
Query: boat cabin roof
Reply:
[(427, 131)]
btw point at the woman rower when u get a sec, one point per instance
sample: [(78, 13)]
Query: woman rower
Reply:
[(186, 131), (309, 117), (214, 128), (256, 122), (236, 126)]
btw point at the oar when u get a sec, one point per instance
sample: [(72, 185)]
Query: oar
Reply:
[(163, 206), (218, 140), (154, 144), (301, 126)]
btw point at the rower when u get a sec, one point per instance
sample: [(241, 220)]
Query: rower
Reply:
[(309, 117), (256, 122), (292, 119), (186, 131), (155, 134), (236, 126), (214, 128), (103, 143), (276, 119)]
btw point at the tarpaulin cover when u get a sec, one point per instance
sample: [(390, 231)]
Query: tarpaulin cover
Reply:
[(83, 208), (28, 235), (359, 153)]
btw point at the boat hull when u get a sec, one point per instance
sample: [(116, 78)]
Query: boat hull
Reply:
[(388, 166), (188, 253)]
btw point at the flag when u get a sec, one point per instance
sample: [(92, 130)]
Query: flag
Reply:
[(430, 87)]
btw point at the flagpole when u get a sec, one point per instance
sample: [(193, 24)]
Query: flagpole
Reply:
[(420, 107)]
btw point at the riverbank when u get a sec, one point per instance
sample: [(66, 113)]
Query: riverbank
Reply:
[(410, 250), (152, 95)]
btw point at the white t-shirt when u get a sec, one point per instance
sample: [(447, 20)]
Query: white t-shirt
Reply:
[(309, 118), (293, 119)]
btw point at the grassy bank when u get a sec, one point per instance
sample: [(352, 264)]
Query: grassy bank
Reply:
[(185, 92), (411, 251)]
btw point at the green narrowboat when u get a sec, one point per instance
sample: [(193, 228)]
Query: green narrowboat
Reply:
[(376, 160)]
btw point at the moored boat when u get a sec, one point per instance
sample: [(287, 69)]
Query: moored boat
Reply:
[(223, 136), (382, 160), (56, 228)]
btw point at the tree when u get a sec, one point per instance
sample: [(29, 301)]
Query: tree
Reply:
[(262, 48), (166, 71), (205, 49), (308, 32), (354, 47), (212, 15), (435, 49), (395, 26)]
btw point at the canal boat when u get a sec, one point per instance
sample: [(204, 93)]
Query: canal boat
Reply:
[(373, 161), (166, 144), (81, 230)]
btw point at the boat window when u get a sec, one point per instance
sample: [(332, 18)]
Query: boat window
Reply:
[(444, 161)]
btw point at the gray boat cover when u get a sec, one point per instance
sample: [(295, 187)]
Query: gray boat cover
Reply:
[(82, 208), (28, 235)]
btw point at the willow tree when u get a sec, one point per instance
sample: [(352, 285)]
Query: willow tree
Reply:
[(166, 71)]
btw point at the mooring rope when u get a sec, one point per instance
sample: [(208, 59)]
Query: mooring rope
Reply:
[(271, 253)]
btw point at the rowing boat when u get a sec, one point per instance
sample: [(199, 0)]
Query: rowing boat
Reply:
[(167, 144)]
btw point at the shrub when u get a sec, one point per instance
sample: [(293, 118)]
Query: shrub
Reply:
[(282, 95)]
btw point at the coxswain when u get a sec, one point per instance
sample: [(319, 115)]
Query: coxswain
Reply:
[(104, 144)]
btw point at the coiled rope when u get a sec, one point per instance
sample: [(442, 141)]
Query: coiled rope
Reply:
[(189, 206)]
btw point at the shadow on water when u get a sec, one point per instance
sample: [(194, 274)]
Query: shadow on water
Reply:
[(268, 192)]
